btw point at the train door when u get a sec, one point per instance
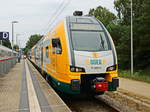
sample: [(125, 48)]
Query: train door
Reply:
[(53, 59), (57, 51), (41, 60), (35, 55), (41, 57), (38, 56)]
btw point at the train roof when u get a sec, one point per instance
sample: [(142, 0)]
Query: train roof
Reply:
[(82, 19)]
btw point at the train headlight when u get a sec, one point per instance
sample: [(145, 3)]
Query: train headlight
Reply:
[(76, 69), (111, 68)]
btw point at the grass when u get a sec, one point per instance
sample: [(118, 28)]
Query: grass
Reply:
[(141, 75)]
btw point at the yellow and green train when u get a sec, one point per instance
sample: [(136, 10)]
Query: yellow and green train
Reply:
[(78, 56)]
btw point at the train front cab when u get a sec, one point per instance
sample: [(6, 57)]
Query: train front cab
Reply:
[(82, 57)]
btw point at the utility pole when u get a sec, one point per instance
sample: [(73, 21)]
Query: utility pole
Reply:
[(132, 38)]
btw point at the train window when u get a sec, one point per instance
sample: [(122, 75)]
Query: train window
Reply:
[(47, 51), (84, 20), (89, 41), (72, 19), (57, 45)]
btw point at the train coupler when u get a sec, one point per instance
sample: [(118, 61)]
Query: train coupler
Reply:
[(100, 85)]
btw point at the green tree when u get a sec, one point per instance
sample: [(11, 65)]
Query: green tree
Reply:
[(6, 43), (124, 11), (141, 22), (33, 39), (16, 47), (141, 29), (103, 15)]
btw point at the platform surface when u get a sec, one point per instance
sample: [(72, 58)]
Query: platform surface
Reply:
[(136, 87), (23, 89)]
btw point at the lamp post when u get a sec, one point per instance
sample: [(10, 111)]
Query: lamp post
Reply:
[(132, 37), (13, 22)]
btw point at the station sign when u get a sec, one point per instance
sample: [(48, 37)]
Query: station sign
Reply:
[(4, 35)]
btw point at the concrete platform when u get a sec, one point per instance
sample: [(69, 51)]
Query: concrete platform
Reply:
[(23, 89), (136, 87)]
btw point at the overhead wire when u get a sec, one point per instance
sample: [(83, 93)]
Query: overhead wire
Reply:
[(58, 14), (57, 9)]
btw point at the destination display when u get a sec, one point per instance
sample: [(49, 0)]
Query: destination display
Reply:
[(85, 27)]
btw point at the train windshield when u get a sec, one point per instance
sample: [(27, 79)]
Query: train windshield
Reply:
[(87, 39)]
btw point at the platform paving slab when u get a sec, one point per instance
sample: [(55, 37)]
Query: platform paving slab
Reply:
[(54, 101), (15, 95), (10, 87)]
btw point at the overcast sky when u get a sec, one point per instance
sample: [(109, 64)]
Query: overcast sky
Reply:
[(35, 16)]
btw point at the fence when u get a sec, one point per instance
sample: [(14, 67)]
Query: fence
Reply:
[(6, 64)]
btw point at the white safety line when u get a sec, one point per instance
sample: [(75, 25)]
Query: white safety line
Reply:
[(33, 101)]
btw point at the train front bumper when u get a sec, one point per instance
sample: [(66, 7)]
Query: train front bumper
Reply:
[(113, 85)]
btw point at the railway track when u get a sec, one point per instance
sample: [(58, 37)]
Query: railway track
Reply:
[(84, 104), (109, 102)]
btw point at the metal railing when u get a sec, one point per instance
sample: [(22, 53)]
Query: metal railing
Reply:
[(7, 64), (7, 59)]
